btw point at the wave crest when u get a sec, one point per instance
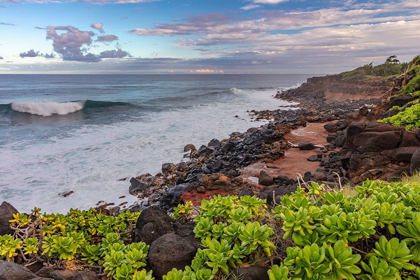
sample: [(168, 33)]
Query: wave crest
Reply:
[(47, 109)]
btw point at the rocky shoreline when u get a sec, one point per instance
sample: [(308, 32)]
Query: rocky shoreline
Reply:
[(358, 148), (339, 137)]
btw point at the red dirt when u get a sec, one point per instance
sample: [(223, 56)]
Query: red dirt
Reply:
[(294, 160), (334, 96)]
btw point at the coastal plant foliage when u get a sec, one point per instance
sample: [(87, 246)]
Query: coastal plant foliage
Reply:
[(408, 116), (313, 233)]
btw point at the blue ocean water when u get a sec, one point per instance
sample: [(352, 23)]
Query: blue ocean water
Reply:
[(82, 133)]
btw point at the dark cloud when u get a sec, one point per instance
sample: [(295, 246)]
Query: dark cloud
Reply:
[(7, 23), (49, 55), (1, 57), (107, 38), (114, 54), (69, 44), (30, 53), (98, 26)]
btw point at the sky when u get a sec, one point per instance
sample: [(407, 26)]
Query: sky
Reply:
[(204, 36)]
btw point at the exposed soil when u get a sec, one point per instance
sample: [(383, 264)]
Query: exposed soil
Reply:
[(294, 161)]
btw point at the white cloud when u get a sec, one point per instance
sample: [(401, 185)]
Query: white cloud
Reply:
[(250, 7)]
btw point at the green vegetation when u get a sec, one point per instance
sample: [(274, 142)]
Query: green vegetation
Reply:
[(389, 70), (315, 233), (409, 115)]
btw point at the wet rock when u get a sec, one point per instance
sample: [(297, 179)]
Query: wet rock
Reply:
[(6, 214), (168, 168), (415, 162), (265, 179), (214, 143), (306, 146), (182, 167), (152, 223), (137, 186), (204, 150), (250, 273), (170, 251), (13, 271), (189, 147)]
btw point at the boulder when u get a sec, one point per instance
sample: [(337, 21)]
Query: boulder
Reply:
[(172, 197), (306, 146), (415, 162), (6, 214), (168, 168), (189, 147), (66, 274), (228, 147), (331, 127), (340, 140), (404, 154), (353, 130), (13, 271), (384, 140), (265, 179), (250, 273), (137, 186), (152, 223), (214, 143), (85, 275), (182, 167), (204, 150), (400, 100), (409, 139), (170, 251)]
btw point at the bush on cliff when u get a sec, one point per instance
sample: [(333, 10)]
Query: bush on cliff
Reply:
[(390, 68)]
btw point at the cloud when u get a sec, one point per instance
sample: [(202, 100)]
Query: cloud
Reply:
[(250, 7), (98, 26), (207, 71), (7, 23), (69, 44), (107, 38), (192, 25), (114, 54), (30, 53), (1, 57), (49, 55), (2, 7), (40, 28)]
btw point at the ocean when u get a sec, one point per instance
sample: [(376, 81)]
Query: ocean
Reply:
[(82, 133)]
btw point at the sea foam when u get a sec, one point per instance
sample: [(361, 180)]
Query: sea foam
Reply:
[(47, 109)]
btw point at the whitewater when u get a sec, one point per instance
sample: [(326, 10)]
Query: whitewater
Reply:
[(84, 134)]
